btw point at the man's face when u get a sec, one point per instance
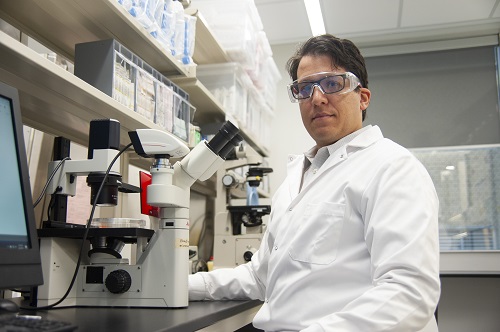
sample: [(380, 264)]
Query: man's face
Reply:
[(329, 117)]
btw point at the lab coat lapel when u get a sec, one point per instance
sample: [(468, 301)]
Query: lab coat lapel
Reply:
[(294, 174)]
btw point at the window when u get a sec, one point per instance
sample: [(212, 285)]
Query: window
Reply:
[(467, 181)]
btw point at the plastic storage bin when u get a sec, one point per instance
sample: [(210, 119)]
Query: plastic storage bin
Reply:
[(262, 53), (234, 24), (116, 71), (259, 118), (268, 82), (229, 84)]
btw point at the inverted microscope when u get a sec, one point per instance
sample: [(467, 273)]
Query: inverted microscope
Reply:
[(159, 276), (239, 227)]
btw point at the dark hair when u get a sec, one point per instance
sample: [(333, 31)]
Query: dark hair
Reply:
[(343, 53)]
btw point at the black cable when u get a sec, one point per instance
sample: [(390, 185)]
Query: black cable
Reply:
[(84, 238), (51, 204), (44, 190)]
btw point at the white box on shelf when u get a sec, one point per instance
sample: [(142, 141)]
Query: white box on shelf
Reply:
[(259, 118), (262, 53), (164, 107), (234, 24), (229, 84), (145, 97), (269, 77)]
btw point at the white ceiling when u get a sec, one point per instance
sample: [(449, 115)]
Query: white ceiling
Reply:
[(382, 22)]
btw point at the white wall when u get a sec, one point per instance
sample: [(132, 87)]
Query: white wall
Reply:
[(288, 134)]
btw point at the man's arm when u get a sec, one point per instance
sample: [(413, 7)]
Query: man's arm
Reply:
[(245, 281)]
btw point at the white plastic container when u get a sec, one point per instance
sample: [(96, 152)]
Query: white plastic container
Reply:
[(229, 84), (269, 78), (262, 53), (259, 118), (235, 25)]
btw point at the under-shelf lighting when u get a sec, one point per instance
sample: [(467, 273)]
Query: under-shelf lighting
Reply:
[(315, 17)]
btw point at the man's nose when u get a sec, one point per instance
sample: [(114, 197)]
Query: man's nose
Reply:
[(319, 92)]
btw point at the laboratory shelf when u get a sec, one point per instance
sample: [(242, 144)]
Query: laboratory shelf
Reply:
[(60, 25), (59, 103), (55, 101)]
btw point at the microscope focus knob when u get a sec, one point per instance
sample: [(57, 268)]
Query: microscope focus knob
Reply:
[(247, 256), (118, 281), (228, 180)]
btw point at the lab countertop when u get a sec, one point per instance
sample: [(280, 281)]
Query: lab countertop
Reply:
[(197, 316)]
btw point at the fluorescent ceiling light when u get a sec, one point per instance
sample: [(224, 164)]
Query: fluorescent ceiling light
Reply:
[(315, 16)]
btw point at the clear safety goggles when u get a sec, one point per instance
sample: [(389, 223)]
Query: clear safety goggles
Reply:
[(327, 82)]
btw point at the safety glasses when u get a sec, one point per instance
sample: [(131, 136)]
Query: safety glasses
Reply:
[(327, 82)]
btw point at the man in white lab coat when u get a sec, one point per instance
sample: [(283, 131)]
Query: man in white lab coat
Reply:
[(352, 241)]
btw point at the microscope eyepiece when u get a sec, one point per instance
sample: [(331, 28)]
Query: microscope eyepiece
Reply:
[(234, 142), (223, 137)]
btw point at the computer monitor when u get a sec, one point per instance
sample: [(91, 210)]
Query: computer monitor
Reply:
[(20, 264)]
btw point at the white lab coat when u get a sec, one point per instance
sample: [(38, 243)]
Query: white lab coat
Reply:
[(356, 250)]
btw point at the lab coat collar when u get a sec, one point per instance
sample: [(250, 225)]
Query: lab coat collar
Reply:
[(296, 162), (367, 138)]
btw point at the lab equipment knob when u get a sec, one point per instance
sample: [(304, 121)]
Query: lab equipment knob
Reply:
[(247, 256), (228, 180), (118, 281)]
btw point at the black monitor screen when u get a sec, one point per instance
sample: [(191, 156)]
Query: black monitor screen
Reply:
[(19, 252), (13, 228)]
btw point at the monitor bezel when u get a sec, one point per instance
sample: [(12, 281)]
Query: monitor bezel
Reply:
[(21, 268)]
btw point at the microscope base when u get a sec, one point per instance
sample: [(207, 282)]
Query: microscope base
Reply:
[(159, 279)]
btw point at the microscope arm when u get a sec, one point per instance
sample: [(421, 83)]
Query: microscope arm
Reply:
[(65, 178)]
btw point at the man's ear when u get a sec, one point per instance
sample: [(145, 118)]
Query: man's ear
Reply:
[(364, 100)]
